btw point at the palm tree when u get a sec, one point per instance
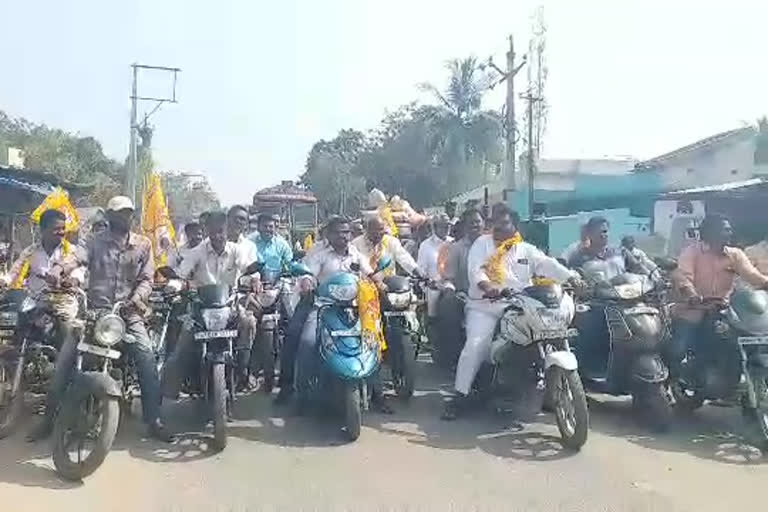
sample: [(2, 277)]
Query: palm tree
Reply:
[(464, 138)]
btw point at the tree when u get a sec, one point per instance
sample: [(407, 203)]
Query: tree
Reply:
[(465, 138), (69, 157), (331, 172), (188, 196)]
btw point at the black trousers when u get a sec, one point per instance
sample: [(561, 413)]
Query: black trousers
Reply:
[(291, 343)]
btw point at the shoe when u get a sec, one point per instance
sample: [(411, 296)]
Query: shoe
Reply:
[(453, 407), (159, 431), (284, 396), (42, 430), (381, 404)]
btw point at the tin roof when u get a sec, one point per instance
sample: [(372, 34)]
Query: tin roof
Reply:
[(705, 143)]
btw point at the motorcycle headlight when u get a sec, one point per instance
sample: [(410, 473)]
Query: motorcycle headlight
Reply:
[(174, 286), (268, 297), (629, 290), (28, 305), (399, 300), (343, 292), (550, 319), (109, 330), (9, 319), (216, 319)]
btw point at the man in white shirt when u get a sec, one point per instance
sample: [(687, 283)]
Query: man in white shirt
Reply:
[(338, 255), (238, 220), (215, 261), (376, 243), (194, 233), (488, 277), (429, 256)]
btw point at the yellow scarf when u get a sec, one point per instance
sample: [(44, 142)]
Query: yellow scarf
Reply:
[(370, 315), (495, 267), (378, 252), (21, 278), (385, 212)]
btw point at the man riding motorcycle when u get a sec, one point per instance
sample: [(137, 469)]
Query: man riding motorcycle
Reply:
[(610, 261), (274, 250), (707, 270), (376, 243), (215, 261), (41, 268), (337, 255), (455, 278), (120, 269), (496, 262)]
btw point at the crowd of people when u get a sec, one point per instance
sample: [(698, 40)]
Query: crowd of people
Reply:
[(474, 255)]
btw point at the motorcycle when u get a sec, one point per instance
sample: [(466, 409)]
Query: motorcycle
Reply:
[(729, 357), (334, 359), (272, 307), (531, 348), (214, 313), (162, 300), (90, 411), (26, 362), (402, 332), (622, 327)]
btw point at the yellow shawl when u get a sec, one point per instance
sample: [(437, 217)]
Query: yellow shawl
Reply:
[(495, 267)]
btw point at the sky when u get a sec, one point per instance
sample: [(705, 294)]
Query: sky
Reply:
[(262, 81)]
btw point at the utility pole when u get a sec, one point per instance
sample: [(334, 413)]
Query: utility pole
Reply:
[(530, 160), (131, 175), (509, 76)]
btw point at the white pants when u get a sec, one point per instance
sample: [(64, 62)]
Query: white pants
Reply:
[(481, 319)]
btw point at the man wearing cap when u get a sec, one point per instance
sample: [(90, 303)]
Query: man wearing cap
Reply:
[(121, 268)]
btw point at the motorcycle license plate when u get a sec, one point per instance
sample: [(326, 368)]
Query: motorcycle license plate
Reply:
[(395, 313), (97, 350), (210, 335), (555, 334), (753, 340)]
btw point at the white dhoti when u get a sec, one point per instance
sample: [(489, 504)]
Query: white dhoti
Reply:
[(481, 319)]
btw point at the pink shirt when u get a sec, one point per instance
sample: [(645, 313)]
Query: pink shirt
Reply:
[(706, 273)]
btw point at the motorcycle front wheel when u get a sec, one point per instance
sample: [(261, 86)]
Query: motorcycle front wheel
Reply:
[(218, 399), (570, 406), (353, 412), (652, 404), (83, 435), (403, 361), (11, 396)]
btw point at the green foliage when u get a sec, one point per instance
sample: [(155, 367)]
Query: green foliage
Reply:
[(425, 153), (188, 196), (82, 160), (68, 156)]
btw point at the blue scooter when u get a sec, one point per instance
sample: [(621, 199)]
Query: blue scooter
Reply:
[(334, 359)]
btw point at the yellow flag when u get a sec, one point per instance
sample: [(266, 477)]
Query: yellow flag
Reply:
[(58, 200), (156, 221)]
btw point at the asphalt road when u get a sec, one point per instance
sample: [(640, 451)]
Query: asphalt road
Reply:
[(408, 461)]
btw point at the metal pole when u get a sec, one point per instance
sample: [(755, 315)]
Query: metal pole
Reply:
[(530, 157), (131, 172), (511, 180)]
